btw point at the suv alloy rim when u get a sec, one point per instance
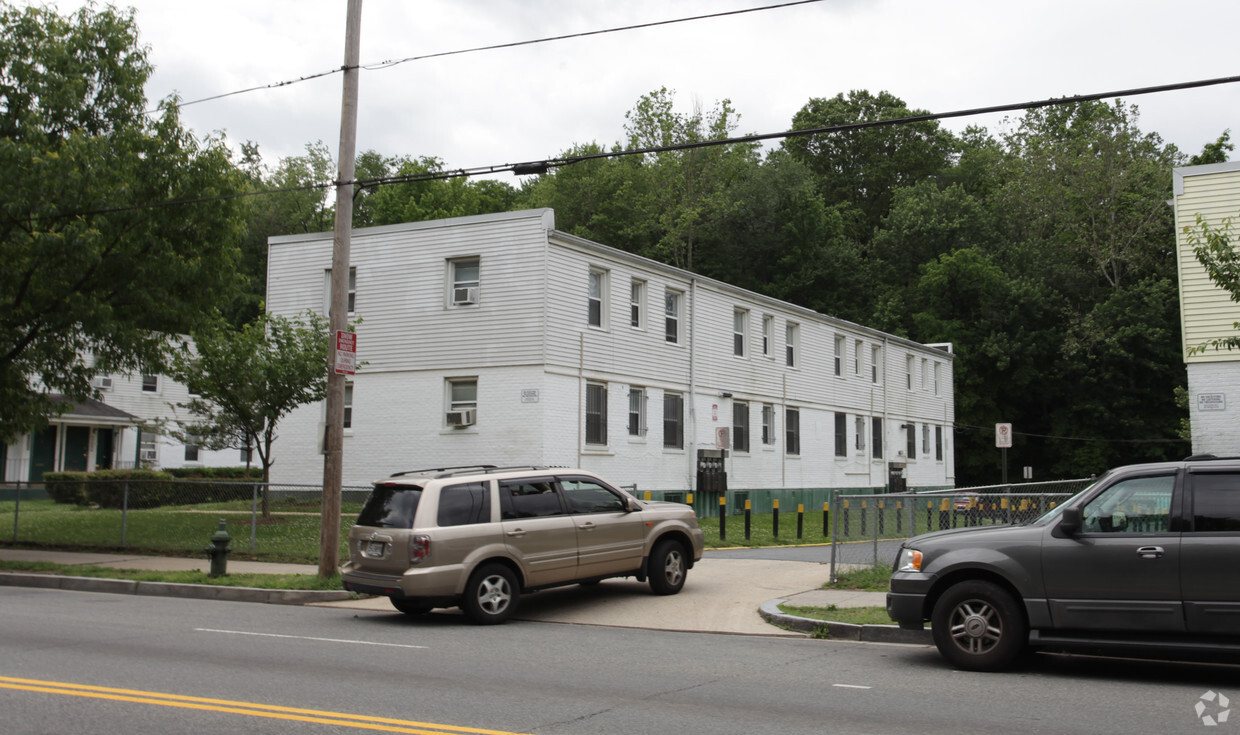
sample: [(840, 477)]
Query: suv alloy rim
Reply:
[(494, 594), (976, 626)]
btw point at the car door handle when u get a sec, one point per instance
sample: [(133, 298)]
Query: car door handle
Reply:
[(587, 526), (1150, 552), (516, 532)]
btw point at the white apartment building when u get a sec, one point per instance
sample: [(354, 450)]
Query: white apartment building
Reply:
[(1207, 311), (497, 339), (114, 432)]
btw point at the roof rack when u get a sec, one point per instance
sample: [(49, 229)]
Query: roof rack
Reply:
[(1206, 458), (437, 472)]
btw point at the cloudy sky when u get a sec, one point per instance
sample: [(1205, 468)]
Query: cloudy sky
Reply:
[(532, 102)]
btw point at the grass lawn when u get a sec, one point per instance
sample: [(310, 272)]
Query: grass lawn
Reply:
[(264, 581)]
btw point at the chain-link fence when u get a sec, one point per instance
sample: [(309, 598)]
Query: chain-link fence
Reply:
[(867, 530), (266, 521)]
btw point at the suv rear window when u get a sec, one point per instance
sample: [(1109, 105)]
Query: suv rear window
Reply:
[(390, 506)]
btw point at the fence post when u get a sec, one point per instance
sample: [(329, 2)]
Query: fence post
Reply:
[(748, 510), (826, 518), (835, 499), (124, 511), (800, 520), (17, 506), (254, 518), (723, 516), (775, 517)]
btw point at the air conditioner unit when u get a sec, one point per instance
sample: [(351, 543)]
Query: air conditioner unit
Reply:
[(149, 455), (465, 296), (463, 417), (102, 382)]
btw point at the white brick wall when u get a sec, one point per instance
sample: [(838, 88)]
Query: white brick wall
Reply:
[(1215, 431)]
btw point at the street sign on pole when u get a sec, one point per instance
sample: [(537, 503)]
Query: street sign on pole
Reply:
[(346, 353), (1003, 436)]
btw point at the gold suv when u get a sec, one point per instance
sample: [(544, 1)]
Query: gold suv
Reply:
[(479, 537)]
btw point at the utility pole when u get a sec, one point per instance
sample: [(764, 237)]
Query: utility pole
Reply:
[(338, 318)]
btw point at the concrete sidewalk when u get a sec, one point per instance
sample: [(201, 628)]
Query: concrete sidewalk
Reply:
[(721, 595)]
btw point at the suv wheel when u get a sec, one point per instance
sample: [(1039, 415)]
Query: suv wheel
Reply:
[(491, 595), (666, 568), (978, 626)]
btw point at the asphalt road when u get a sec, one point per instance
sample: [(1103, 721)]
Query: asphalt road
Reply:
[(168, 665)]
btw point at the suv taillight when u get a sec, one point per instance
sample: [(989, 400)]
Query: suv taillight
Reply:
[(419, 548)]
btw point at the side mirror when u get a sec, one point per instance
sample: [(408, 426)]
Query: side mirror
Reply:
[(1070, 521)]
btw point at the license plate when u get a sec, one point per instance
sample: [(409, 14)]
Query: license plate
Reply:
[(373, 549)]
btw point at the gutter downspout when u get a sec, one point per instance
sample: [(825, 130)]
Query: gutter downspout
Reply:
[(581, 392), (690, 455)]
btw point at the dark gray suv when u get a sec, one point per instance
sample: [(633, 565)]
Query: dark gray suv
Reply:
[(1146, 560)]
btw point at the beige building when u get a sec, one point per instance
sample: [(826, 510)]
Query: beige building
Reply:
[(1207, 312)]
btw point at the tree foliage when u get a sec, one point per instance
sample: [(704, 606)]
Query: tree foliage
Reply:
[(246, 380), (94, 260)]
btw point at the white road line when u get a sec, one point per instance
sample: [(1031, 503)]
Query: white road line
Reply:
[(851, 686), (304, 638)]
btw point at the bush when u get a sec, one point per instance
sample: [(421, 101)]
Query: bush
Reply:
[(66, 487), (216, 473), (147, 488)]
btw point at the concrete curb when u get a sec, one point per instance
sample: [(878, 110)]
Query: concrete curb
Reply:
[(771, 613), (169, 589)]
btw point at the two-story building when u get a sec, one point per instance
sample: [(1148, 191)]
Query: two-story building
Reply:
[(1207, 312), (497, 339)]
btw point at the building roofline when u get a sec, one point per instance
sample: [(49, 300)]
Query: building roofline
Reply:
[(1179, 173), (547, 216)]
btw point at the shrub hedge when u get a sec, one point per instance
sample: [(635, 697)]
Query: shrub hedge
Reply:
[(148, 488)]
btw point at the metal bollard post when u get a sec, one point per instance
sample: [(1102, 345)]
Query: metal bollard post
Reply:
[(800, 520), (826, 518), (748, 511), (775, 517), (723, 516)]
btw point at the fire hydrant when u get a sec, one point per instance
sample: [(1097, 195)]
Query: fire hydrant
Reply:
[(217, 552)]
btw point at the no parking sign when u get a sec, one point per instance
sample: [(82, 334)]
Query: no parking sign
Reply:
[(1003, 436)]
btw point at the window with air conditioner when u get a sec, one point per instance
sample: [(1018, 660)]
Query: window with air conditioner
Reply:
[(462, 402), (464, 277), (102, 382)]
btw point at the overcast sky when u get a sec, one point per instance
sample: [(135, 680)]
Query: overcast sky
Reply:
[(533, 102)]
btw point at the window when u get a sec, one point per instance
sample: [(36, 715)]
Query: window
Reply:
[(938, 443), (768, 424), (348, 405), (739, 319), (841, 435), (637, 297), (350, 299), (792, 430), (596, 413), (925, 440), (597, 297), (671, 311), (908, 371), (150, 383), (936, 378), (740, 426), (1216, 501), (791, 344), (876, 429), (191, 453), (839, 355), (910, 440), (247, 455), (673, 421), (462, 399), (859, 434), (1131, 506), (876, 359), (464, 279), (637, 411), (465, 504), (857, 358), (924, 372), (529, 498), (768, 334), (587, 496)]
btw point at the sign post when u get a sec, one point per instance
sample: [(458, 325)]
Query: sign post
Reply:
[(1003, 440)]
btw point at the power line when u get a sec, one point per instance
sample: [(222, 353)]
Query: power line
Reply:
[(389, 63), (542, 167), (1080, 438)]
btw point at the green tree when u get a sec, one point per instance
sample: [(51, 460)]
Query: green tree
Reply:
[(1215, 152), (246, 380), (94, 260), (1215, 249), (864, 167), (420, 201)]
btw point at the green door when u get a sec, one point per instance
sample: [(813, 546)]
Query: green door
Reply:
[(77, 448), (43, 454), (103, 449)]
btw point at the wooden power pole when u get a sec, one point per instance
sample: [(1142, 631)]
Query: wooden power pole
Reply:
[(333, 440)]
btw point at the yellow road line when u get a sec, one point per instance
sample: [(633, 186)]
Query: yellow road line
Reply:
[(251, 709)]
